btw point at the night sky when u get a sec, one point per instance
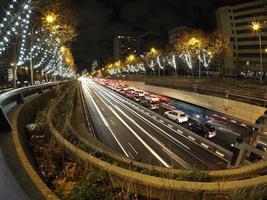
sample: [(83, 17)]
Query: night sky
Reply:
[(101, 20)]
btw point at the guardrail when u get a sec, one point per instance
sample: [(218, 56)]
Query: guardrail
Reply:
[(18, 95)]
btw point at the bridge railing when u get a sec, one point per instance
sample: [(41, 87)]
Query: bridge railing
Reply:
[(18, 96)]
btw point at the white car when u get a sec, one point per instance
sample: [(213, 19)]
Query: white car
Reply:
[(176, 115)]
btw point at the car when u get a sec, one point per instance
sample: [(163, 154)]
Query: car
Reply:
[(140, 93), (136, 98), (176, 115), (152, 97), (150, 104), (129, 94), (204, 129)]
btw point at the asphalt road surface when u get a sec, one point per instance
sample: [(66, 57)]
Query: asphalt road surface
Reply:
[(141, 135)]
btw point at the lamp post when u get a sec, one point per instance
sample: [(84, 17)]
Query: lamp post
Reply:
[(256, 26)]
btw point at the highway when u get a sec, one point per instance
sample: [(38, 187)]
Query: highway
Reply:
[(142, 135), (228, 130)]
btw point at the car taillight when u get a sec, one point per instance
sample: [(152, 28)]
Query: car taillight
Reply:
[(211, 133)]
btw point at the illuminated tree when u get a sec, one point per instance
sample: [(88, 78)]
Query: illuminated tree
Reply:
[(60, 20), (190, 45), (218, 46)]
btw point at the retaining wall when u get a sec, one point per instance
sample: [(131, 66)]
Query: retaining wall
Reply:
[(239, 110)]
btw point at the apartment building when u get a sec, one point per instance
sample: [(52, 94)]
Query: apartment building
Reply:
[(125, 46), (245, 25)]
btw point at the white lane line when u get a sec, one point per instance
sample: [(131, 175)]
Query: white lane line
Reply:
[(170, 126), (107, 125), (155, 126), (191, 138), (205, 145), (131, 155), (161, 131), (170, 153), (133, 148), (180, 131), (244, 125), (134, 133), (161, 121), (116, 97), (219, 153), (141, 140), (176, 158), (233, 121), (112, 122)]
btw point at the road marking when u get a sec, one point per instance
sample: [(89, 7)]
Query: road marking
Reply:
[(112, 122), (138, 137), (117, 98), (155, 126), (219, 153), (191, 138), (154, 117), (180, 131), (133, 148), (177, 158), (134, 133), (204, 145), (233, 121), (244, 125), (131, 155), (107, 125), (161, 121), (170, 126)]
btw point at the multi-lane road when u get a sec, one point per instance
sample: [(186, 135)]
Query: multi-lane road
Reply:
[(143, 135)]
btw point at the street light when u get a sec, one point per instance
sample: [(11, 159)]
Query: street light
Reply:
[(256, 27), (50, 18), (130, 58)]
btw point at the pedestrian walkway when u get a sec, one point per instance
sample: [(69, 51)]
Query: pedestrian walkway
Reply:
[(9, 188)]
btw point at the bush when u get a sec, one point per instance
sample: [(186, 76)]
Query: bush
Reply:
[(94, 187)]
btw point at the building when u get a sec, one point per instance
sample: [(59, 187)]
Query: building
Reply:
[(124, 46), (235, 23), (176, 33)]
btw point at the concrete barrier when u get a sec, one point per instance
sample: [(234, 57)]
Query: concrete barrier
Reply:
[(26, 115), (239, 110)]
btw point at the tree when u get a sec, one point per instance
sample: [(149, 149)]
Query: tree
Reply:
[(190, 45), (60, 20)]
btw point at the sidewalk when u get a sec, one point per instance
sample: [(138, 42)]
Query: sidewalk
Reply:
[(9, 188)]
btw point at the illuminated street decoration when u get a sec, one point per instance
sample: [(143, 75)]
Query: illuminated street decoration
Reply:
[(187, 57), (161, 65), (8, 16), (25, 28), (41, 46), (205, 57), (10, 27)]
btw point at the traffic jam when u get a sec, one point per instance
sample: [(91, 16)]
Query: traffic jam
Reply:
[(206, 123), (161, 105)]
